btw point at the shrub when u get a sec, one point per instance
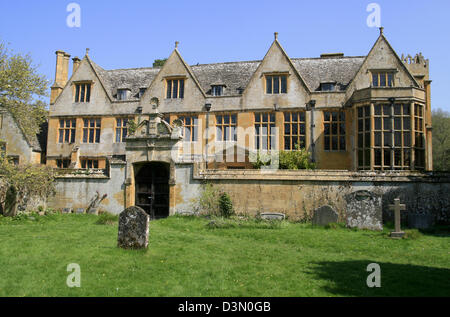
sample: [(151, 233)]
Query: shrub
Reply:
[(208, 201), (226, 206), (107, 219), (295, 160), (288, 160)]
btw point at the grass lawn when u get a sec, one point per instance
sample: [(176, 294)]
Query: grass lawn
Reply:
[(186, 257)]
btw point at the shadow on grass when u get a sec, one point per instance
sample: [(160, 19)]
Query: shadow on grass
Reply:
[(348, 278)]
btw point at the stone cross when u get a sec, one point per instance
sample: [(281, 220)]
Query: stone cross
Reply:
[(397, 208)]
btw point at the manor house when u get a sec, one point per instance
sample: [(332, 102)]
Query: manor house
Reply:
[(149, 136)]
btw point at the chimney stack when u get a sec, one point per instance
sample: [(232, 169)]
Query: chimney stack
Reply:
[(76, 63), (61, 75)]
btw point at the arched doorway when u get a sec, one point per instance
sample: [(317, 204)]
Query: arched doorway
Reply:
[(152, 188)]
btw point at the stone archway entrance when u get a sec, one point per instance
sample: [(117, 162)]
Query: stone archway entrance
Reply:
[(152, 188)]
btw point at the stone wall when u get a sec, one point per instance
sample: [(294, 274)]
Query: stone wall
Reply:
[(299, 193), (77, 191), (294, 193)]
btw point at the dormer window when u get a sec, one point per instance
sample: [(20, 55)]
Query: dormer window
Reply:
[(217, 90), (122, 94), (175, 88), (276, 84), (331, 86), (382, 79), (82, 92), (141, 92)]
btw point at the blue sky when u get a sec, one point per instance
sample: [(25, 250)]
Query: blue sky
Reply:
[(133, 33)]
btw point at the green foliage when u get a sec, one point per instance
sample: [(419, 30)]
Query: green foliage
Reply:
[(131, 126), (193, 260), (412, 234), (296, 160), (159, 62), (335, 226), (107, 219), (22, 90), (26, 180), (441, 140), (260, 159), (287, 160), (226, 206), (208, 201), (241, 223)]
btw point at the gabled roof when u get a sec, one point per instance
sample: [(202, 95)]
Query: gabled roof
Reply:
[(34, 141), (320, 70), (235, 75), (133, 79)]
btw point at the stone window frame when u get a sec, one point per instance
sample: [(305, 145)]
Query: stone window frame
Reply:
[(122, 94), (181, 85), (363, 115), (227, 122), (270, 89), (14, 159), (387, 75), (121, 130), (419, 136), (265, 120), (67, 133), (190, 123), (334, 118), (78, 91), (294, 119), (92, 126), (217, 90), (392, 136), (402, 125), (60, 163), (89, 163)]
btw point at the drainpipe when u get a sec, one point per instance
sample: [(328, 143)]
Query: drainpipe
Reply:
[(208, 108), (311, 107)]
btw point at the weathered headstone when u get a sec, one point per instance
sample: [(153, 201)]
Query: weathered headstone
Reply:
[(397, 208), (324, 216), (364, 210), (273, 216), (420, 221), (67, 210), (133, 228)]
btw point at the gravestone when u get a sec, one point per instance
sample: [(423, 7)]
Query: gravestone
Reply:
[(273, 216), (133, 228), (324, 216), (420, 221), (80, 211), (67, 210), (364, 210), (397, 207)]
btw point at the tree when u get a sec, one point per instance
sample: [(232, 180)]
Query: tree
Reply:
[(441, 140), (159, 62), (22, 91)]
